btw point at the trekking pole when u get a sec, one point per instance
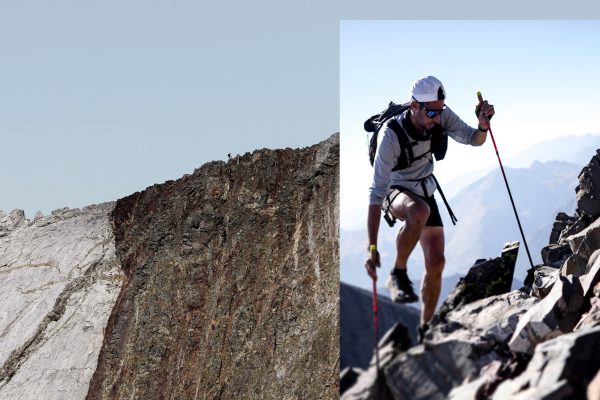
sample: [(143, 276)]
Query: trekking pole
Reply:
[(480, 98), (376, 324)]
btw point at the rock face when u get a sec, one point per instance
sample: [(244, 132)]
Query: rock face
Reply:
[(539, 342), (485, 278), (59, 279), (222, 284), (231, 286), (588, 201), (560, 368)]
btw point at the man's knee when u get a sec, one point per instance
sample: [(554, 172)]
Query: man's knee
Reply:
[(413, 214), (435, 266)]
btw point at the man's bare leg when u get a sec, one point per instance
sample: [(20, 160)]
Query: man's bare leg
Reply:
[(414, 212), (432, 242)]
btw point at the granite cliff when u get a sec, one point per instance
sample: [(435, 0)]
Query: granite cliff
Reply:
[(222, 284)]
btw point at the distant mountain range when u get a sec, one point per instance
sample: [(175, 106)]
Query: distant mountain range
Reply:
[(487, 220), (573, 149)]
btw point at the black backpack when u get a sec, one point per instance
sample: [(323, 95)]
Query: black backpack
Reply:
[(438, 137)]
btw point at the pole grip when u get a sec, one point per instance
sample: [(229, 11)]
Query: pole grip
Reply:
[(479, 97)]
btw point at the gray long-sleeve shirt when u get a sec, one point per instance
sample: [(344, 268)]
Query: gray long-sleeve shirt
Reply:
[(388, 152)]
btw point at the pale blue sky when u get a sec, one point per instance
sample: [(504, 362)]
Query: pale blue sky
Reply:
[(101, 99), (542, 77)]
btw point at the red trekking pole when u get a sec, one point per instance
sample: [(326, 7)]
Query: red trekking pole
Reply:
[(480, 98), (376, 324)]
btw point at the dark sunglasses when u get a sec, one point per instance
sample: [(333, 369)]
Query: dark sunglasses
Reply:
[(432, 113)]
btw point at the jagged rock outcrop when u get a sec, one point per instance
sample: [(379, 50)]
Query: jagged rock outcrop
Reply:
[(485, 278), (555, 254), (539, 342), (561, 222), (222, 284), (561, 368), (588, 199), (544, 278), (469, 330), (592, 317)]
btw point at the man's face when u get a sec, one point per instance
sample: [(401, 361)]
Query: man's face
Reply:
[(422, 109)]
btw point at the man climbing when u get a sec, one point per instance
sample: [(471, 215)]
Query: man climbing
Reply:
[(403, 186)]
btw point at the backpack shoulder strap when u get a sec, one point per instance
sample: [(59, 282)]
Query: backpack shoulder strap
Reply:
[(406, 150), (378, 121)]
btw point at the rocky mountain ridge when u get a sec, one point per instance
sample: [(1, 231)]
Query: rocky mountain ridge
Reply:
[(221, 284), (487, 342)]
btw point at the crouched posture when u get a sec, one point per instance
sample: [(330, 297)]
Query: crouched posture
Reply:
[(403, 186)]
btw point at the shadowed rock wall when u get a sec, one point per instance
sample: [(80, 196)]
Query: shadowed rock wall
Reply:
[(231, 288)]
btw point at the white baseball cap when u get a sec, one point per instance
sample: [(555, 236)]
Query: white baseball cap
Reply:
[(428, 88)]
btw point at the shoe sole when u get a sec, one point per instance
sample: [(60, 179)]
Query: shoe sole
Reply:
[(405, 299)]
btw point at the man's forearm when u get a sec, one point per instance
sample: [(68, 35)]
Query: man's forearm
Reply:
[(373, 219), (479, 137)]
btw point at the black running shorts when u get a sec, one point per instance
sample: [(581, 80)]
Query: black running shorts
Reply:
[(435, 219)]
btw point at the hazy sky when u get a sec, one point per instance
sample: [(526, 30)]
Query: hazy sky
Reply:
[(541, 76), (103, 99), (100, 99)]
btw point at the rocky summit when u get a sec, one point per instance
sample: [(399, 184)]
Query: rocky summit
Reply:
[(222, 284), (487, 342)]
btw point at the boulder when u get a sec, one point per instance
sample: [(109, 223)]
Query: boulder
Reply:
[(587, 241), (490, 377), (530, 277), (485, 278), (562, 222), (489, 320), (348, 378), (10, 222), (555, 314), (555, 254), (456, 351), (592, 317), (560, 368), (592, 274), (543, 280), (575, 227), (559, 312), (432, 372), (475, 389), (371, 383), (574, 265)]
